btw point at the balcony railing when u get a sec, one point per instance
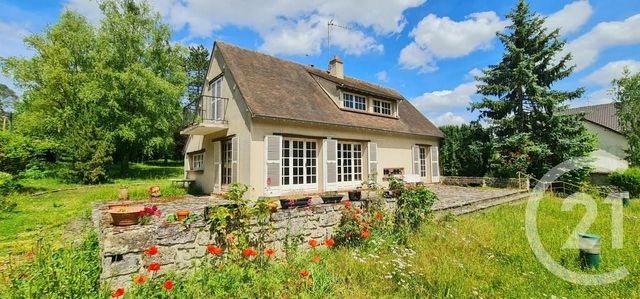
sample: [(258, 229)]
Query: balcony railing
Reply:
[(206, 109)]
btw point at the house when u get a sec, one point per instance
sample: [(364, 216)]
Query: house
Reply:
[(281, 127), (602, 121)]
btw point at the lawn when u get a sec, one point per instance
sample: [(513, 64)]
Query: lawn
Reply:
[(45, 216), (483, 255)]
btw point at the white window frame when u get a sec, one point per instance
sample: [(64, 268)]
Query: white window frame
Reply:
[(423, 161), (197, 161), (380, 107), (216, 100), (306, 186), (352, 160), (353, 100), (226, 162)]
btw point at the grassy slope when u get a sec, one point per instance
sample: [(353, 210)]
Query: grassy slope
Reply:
[(45, 216), (487, 255)]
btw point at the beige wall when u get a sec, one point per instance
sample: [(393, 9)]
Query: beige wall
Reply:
[(394, 150), (239, 122), (610, 155)]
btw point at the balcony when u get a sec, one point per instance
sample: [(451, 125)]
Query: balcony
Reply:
[(206, 115)]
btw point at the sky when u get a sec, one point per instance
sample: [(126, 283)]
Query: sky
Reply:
[(429, 50)]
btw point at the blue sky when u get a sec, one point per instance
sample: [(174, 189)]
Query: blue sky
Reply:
[(428, 50)]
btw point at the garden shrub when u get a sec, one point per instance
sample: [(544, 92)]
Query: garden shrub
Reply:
[(8, 184), (19, 153), (70, 272), (359, 225), (627, 180), (414, 205)]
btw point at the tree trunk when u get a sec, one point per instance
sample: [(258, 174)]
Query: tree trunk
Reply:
[(124, 163)]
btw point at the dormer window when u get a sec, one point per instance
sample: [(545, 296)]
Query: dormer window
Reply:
[(354, 101), (382, 107)]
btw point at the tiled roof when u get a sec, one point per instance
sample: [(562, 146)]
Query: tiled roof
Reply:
[(603, 115), (278, 88)]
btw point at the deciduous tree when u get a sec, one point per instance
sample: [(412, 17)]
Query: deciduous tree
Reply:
[(627, 99)]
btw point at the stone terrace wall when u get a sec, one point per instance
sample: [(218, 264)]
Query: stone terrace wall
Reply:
[(182, 247)]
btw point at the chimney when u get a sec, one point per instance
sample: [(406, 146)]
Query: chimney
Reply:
[(336, 67)]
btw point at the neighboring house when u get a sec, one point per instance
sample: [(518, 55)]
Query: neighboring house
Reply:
[(612, 143), (281, 127)]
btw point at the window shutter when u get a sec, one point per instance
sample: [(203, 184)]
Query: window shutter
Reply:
[(216, 167), (415, 150), (435, 165), (234, 159), (373, 159), (330, 153), (273, 158)]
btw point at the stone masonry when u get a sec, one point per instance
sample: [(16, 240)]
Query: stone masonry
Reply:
[(182, 247)]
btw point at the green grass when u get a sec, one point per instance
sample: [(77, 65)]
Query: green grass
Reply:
[(487, 255), (45, 216), (479, 255)]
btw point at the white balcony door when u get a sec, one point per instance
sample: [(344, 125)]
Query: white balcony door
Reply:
[(216, 101)]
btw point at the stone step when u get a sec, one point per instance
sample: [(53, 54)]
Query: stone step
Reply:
[(486, 203)]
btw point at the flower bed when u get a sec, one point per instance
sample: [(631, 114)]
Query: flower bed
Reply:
[(181, 246)]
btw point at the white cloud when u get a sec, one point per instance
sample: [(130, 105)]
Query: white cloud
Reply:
[(459, 97), (287, 26), (612, 70), (587, 47), (600, 96), (571, 17), (11, 39), (440, 37), (473, 73), (449, 118), (382, 76), (413, 57), (88, 8)]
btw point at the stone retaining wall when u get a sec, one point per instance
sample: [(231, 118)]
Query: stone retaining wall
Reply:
[(182, 247)]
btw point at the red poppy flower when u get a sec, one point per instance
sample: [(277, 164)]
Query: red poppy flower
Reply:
[(29, 255), (365, 234), (316, 258), (153, 250), (168, 285), (249, 252), (117, 293), (140, 279), (378, 216), (347, 203), (269, 252), (215, 250), (313, 243), (153, 267), (304, 273), (329, 242)]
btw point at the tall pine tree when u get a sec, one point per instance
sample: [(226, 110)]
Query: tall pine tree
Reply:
[(521, 106)]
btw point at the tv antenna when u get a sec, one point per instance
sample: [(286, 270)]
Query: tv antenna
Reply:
[(332, 24)]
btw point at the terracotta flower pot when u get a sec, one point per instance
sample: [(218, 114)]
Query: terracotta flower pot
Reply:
[(125, 215), (182, 215)]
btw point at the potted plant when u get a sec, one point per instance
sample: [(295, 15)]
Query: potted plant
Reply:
[(125, 215), (355, 195), (154, 191), (294, 201), (123, 193), (331, 197), (182, 215)]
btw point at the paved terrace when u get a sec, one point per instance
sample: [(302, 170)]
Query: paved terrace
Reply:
[(456, 196)]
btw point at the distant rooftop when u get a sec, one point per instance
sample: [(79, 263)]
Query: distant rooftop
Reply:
[(603, 115)]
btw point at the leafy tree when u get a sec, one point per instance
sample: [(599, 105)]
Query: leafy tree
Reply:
[(466, 151), (102, 93), (7, 98), (524, 112), (627, 98)]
